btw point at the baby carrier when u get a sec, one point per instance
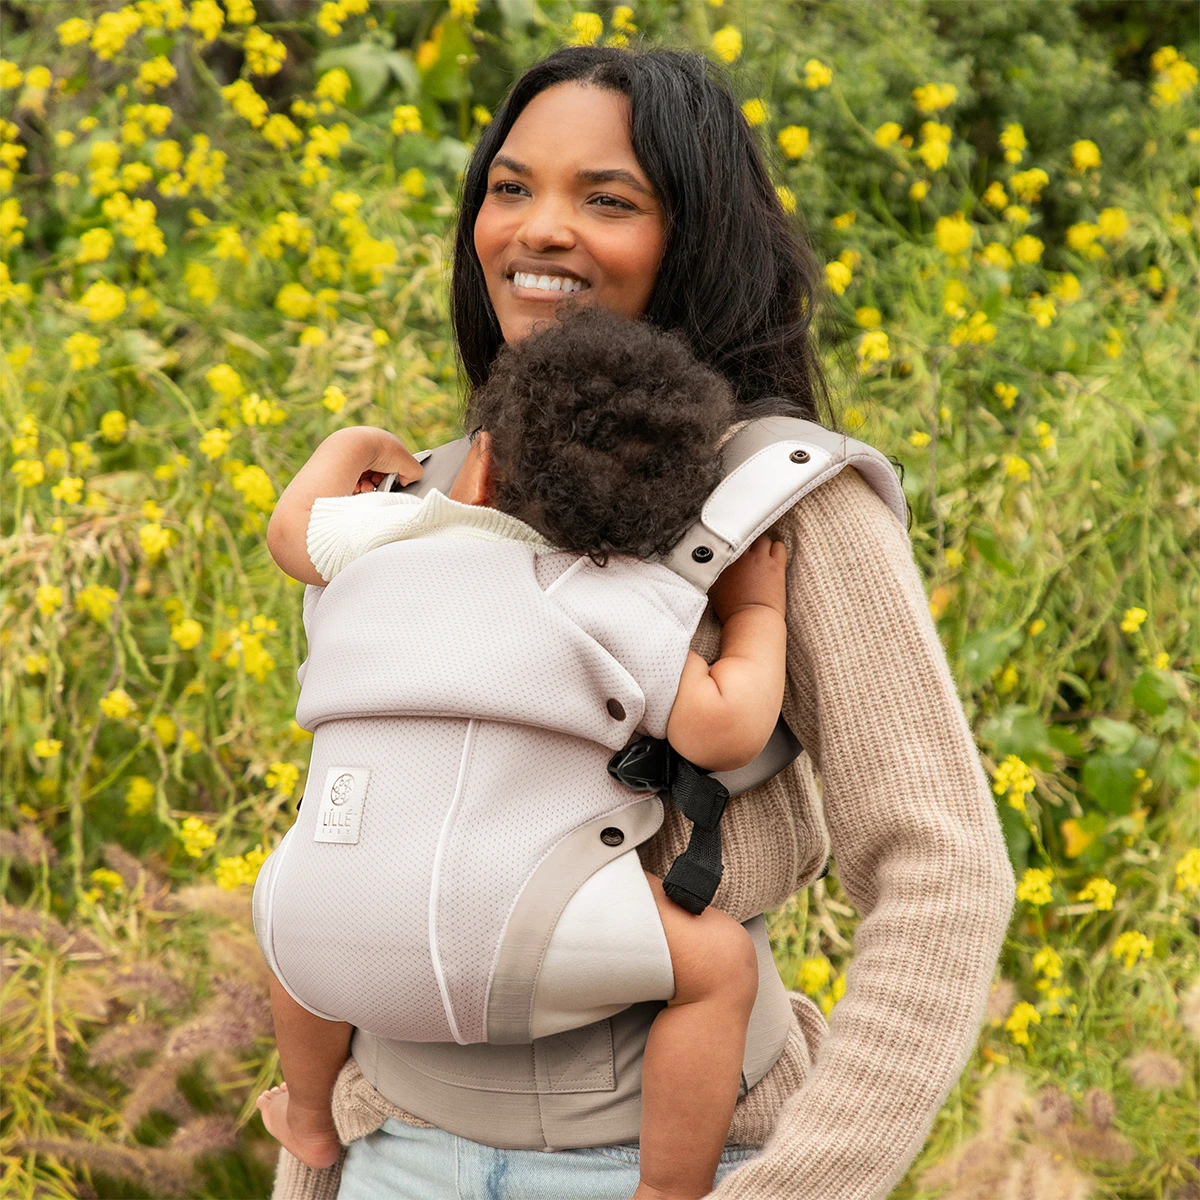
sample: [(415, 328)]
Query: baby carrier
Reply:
[(476, 710)]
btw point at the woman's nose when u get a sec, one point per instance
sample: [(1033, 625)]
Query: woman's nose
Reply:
[(547, 225)]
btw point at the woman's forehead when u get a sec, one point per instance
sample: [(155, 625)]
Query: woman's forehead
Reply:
[(572, 127)]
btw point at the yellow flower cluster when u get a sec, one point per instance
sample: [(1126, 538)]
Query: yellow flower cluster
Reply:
[(933, 97), (195, 836), (240, 870), (243, 646), (1013, 778), (96, 600), (265, 55), (977, 330), (1131, 946), (139, 796), (953, 234), (1175, 77), (186, 634), (1034, 887), (817, 74), (113, 30), (406, 119), (1012, 138), (118, 704), (1099, 891), (1131, 622), (283, 777), (1187, 872), (256, 487), (934, 149), (727, 44), (1018, 1021)]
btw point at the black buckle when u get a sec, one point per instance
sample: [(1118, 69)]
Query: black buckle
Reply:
[(645, 766)]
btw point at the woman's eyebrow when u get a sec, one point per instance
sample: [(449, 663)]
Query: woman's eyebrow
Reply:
[(613, 175), (509, 164)]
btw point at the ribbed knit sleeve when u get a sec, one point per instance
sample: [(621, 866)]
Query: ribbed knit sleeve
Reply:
[(917, 847)]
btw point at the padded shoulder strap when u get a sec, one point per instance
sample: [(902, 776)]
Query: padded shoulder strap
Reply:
[(769, 465)]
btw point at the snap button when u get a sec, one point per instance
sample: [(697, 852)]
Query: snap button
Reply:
[(702, 554), (616, 710), (612, 836), (799, 456)]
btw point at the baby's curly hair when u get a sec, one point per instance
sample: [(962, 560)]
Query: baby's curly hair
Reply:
[(605, 434)]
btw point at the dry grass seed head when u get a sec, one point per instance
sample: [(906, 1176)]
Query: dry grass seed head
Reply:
[(1042, 1173), (205, 1135), (1100, 1108), (1051, 1108), (164, 1173), (1189, 1010), (125, 1041), (27, 846), (1000, 1000), (1154, 1069), (1002, 1103)]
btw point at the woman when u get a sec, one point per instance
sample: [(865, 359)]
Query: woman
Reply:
[(631, 180)]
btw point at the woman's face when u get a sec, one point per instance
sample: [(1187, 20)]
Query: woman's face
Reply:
[(568, 213)]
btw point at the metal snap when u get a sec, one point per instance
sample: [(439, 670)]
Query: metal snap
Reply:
[(799, 456), (612, 836), (702, 554), (616, 710)]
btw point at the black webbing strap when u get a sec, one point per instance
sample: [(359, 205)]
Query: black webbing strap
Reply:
[(651, 765)]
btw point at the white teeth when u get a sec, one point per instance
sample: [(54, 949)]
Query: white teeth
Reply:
[(547, 283)]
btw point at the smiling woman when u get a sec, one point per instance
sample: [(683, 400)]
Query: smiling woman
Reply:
[(568, 209), (637, 177)]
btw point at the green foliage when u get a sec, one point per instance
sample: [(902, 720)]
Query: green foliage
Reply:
[(193, 296)]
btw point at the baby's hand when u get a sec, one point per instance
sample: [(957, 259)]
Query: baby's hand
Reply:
[(758, 577)]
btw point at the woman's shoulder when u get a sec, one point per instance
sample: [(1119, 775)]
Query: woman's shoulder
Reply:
[(844, 508)]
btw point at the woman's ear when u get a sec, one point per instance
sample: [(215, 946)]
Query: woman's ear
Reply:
[(473, 483)]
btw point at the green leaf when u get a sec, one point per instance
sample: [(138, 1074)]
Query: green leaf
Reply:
[(985, 542), (405, 72), (1118, 736), (992, 303), (367, 65), (1110, 779), (1016, 837), (1153, 690), (1065, 742), (1183, 769), (446, 79), (984, 652), (1017, 730), (518, 14)]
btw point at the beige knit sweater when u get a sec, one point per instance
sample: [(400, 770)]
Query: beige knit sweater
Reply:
[(908, 812)]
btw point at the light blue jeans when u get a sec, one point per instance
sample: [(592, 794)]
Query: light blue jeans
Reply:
[(403, 1162)]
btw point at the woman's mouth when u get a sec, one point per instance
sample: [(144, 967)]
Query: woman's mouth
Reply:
[(524, 281)]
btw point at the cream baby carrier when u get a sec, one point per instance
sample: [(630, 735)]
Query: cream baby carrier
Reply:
[(470, 703)]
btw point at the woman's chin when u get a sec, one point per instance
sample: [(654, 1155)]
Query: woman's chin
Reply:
[(517, 325)]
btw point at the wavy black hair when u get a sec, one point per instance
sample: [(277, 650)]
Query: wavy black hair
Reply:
[(605, 433), (737, 280)]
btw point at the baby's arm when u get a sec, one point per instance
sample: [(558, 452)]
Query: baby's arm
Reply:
[(724, 714), (348, 461)]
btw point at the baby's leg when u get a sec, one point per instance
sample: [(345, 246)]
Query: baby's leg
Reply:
[(693, 1063), (311, 1052)]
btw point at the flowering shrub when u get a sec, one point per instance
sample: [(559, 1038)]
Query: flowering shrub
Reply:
[(222, 236)]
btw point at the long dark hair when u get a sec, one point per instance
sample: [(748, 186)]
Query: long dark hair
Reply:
[(737, 280)]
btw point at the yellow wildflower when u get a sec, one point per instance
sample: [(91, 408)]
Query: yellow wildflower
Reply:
[(280, 132), (1016, 214), (48, 597), (256, 487), (1028, 185), (187, 633), (113, 30), (1112, 223), (295, 300), (215, 442), (94, 246), (1034, 887), (103, 301), (817, 74), (1132, 620), (1016, 468), (333, 85), (935, 145), (1085, 155), (813, 974), (206, 19), (1187, 872), (1014, 779), (1099, 890), (1131, 946), (919, 438), (586, 27), (995, 196), (1048, 962), (867, 318), (311, 335), (1028, 249), (1066, 287), (1042, 308), (755, 112), (380, 337), (838, 276), (996, 255), (843, 220), (413, 182), (873, 347), (1022, 1016), (933, 97), (156, 73), (240, 12), (196, 836), (156, 540), (36, 664), (201, 283), (334, 398), (69, 489), (72, 32), (282, 776), (246, 102), (139, 796), (46, 747), (1012, 138), (117, 704), (886, 134), (1081, 235), (265, 55), (919, 190), (727, 44), (164, 729), (953, 234)]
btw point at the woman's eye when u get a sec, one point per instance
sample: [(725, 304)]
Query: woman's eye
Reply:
[(507, 188), (611, 202)]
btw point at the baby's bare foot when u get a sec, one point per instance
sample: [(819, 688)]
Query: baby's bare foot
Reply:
[(300, 1131)]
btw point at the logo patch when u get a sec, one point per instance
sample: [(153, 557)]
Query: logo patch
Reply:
[(339, 818)]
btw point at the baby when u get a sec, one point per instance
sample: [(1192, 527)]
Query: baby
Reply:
[(597, 436)]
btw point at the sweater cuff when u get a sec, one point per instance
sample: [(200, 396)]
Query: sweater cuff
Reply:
[(295, 1181), (343, 528)]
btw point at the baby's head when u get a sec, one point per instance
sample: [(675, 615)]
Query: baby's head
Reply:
[(603, 434)]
